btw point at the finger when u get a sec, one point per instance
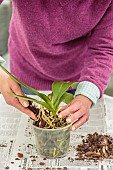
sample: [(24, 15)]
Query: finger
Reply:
[(15, 102), (75, 116), (64, 107), (17, 90), (80, 122), (69, 110)]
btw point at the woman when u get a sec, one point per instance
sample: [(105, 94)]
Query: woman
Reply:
[(60, 40)]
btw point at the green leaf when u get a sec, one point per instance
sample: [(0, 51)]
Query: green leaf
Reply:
[(33, 100), (66, 98), (58, 89), (41, 95), (74, 85)]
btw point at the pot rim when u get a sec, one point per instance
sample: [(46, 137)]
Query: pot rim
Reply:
[(60, 128)]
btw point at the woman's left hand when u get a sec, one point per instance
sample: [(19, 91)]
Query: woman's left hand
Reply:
[(77, 111)]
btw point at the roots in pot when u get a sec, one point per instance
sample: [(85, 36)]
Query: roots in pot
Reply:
[(53, 133)]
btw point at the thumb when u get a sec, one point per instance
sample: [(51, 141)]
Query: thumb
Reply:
[(18, 91)]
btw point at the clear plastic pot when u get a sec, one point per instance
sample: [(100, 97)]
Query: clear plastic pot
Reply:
[(52, 143)]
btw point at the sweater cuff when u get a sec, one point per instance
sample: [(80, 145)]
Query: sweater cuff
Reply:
[(89, 90)]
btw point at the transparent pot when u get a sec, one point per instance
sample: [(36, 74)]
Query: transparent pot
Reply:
[(52, 143)]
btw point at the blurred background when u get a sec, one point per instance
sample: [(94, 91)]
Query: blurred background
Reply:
[(5, 16)]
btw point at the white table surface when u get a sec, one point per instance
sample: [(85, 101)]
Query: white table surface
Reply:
[(16, 133)]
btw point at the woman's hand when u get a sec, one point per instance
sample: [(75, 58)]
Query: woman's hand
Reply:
[(8, 85), (77, 111)]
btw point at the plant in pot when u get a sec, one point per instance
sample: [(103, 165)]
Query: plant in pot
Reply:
[(52, 134)]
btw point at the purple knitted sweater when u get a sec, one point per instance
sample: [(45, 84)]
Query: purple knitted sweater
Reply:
[(63, 40)]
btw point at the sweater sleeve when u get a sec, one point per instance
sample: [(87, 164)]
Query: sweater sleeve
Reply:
[(99, 60), (1, 1)]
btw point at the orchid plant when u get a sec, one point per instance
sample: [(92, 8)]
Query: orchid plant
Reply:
[(53, 100), (47, 117)]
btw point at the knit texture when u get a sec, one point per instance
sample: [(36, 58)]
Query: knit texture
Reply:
[(61, 40)]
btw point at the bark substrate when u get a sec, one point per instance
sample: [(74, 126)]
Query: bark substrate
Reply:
[(95, 147), (43, 122)]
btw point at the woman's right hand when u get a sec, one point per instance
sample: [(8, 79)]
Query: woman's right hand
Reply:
[(8, 85)]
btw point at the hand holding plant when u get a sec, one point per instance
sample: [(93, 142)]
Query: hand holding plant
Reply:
[(8, 85), (79, 110), (59, 94), (76, 110)]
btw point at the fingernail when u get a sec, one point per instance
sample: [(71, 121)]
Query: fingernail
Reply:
[(60, 108), (26, 103), (68, 120), (60, 116), (73, 128)]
